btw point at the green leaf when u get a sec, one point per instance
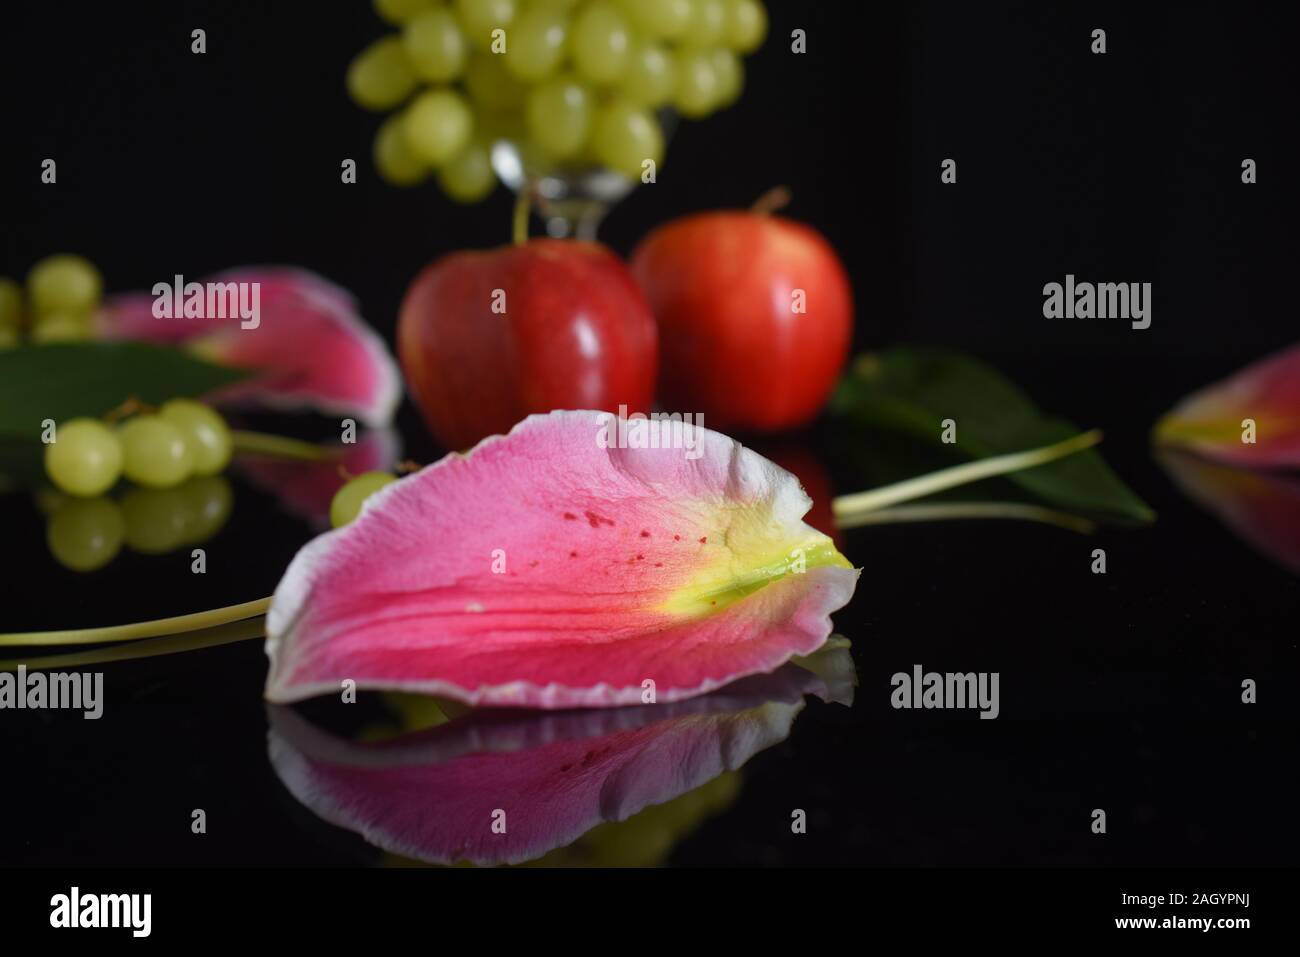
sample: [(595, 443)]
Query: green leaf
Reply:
[(913, 390), (60, 381)]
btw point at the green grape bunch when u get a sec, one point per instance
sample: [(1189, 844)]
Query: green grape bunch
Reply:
[(573, 83), (63, 292)]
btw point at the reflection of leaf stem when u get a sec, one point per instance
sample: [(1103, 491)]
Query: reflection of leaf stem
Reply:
[(976, 510), (205, 638), (848, 507), (140, 629), (260, 443)]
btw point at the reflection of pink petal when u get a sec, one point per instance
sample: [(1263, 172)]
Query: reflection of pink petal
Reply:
[(310, 349), (1262, 508), (306, 488), (555, 775), (543, 570), (1210, 421)]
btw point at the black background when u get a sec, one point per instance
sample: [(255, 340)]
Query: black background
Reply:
[(1120, 692)]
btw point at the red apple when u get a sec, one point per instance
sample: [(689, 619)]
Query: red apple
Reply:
[(727, 289), (486, 338)]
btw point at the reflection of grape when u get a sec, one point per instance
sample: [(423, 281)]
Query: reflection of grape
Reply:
[(624, 137), (154, 452), (348, 500), (559, 116), (158, 520), (381, 76), (85, 534), (85, 457), (63, 284), (206, 433), (435, 46), (210, 501), (437, 125)]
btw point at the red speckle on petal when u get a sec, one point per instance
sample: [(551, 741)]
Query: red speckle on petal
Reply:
[(573, 554), (659, 564), (640, 557), (677, 538), (597, 520), (704, 540), (645, 533), (569, 516)]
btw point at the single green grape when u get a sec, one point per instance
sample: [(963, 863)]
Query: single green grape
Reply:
[(536, 43), (746, 25), (435, 46), (661, 19), (468, 176), (155, 452), (349, 499), (479, 18), (63, 327), (158, 520), (437, 125), (490, 85), (205, 431), (209, 500), (85, 457), (11, 304), (697, 84), (600, 44), (394, 159), (86, 533), (64, 283), (381, 76), (624, 136), (651, 75), (708, 22), (559, 116), (730, 74), (400, 11)]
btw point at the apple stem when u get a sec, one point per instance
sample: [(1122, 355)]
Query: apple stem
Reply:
[(523, 206), (776, 198)]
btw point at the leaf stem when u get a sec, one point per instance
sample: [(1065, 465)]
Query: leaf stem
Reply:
[(261, 443), (149, 648), (949, 511), (523, 206), (140, 629), (848, 508)]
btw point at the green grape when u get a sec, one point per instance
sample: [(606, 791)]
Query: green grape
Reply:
[(624, 137), (64, 283), (205, 431), (490, 85), (468, 176), (746, 25), (400, 11), (85, 457), (154, 452), (661, 19), (435, 46), (493, 126), (394, 159), (730, 75), (559, 116), (437, 125), (158, 520), (480, 17), (348, 500), (210, 501), (600, 44), (697, 84), (11, 304), (651, 75), (708, 21), (380, 76), (536, 43), (63, 327), (85, 534)]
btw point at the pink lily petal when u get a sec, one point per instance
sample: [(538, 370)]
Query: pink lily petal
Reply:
[(1210, 421), (542, 570), (307, 488), (1260, 507), (310, 348), (433, 795)]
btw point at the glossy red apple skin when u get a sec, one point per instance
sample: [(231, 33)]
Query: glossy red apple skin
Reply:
[(731, 344), (576, 333)]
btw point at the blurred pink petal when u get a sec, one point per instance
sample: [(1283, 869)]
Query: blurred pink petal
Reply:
[(1210, 421), (435, 794), (542, 570), (310, 349), (306, 488)]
